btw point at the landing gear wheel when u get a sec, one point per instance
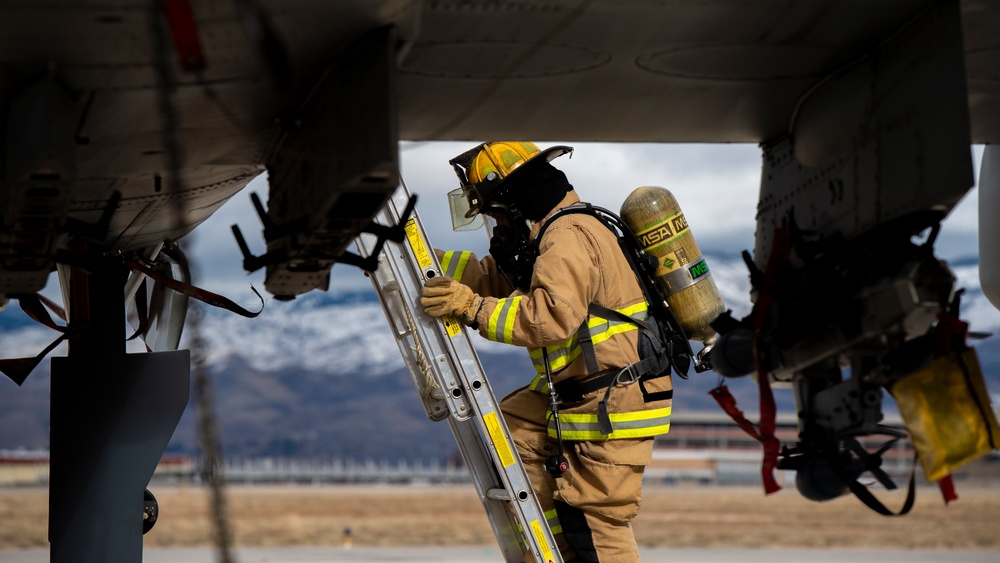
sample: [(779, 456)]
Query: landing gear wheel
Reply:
[(150, 511)]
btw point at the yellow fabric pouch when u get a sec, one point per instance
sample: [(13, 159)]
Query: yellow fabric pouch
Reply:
[(947, 411)]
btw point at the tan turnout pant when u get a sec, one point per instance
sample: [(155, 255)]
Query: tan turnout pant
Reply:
[(591, 507)]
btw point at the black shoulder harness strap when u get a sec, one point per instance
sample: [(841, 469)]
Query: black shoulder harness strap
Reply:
[(663, 351)]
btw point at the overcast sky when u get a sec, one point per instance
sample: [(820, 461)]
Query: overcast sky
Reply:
[(716, 186)]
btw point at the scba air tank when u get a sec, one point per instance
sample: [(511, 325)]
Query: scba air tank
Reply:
[(681, 274)]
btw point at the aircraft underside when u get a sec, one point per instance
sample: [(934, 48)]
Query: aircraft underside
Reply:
[(128, 123)]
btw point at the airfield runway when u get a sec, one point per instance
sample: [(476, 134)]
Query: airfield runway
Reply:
[(492, 555), (446, 524)]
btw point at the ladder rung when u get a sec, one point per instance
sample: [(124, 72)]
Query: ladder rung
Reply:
[(503, 494), (498, 494)]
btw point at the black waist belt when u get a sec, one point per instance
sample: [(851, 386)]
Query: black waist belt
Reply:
[(573, 391)]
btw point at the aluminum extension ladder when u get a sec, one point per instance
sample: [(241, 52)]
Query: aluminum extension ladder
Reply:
[(452, 386)]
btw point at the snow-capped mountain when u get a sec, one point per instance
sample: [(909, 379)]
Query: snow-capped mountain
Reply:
[(322, 375)]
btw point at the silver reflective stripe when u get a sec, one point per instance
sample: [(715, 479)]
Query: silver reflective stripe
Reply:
[(553, 519), (453, 263), (606, 325), (599, 329), (625, 425), (580, 426), (682, 278), (501, 326), (539, 384), (558, 355)]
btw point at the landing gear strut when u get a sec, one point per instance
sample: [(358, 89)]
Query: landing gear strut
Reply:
[(112, 415)]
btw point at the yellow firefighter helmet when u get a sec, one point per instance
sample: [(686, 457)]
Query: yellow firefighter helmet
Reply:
[(483, 170)]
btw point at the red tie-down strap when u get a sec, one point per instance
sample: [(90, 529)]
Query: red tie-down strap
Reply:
[(202, 295), (726, 400), (764, 432), (18, 369), (947, 486), (951, 330), (781, 250), (766, 427), (184, 31)]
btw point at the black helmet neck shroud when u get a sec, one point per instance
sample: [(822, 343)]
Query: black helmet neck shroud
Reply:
[(525, 197), (510, 245), (533, 193)]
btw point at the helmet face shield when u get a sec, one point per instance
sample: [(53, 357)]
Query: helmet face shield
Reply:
[(463, 218)]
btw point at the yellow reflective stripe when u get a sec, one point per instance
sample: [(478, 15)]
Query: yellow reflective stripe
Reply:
[(501, 326), (453, 263), (539, 384), (639, 310), (553, 519), (633, 310), (508, 324), (446, 261), (560, 355), (637, 424), (564, 359), (600, 329), (613, 330)]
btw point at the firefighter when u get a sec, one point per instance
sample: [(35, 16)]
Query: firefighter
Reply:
[(538, 294)]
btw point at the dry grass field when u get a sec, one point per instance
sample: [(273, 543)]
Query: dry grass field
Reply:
[(452, 515)]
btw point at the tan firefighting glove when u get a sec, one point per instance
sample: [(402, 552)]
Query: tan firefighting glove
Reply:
[(442, 296)]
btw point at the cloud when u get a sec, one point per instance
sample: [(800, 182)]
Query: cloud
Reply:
[(977, 310), (733, 280), (716, 185)]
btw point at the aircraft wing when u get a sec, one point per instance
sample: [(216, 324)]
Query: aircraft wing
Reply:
[(128, 123), (177, 117)]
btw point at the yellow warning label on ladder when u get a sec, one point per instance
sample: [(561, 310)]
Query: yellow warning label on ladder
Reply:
[(417, 244), (499, 440), (536, 529), (423, 257), (451, 325)]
